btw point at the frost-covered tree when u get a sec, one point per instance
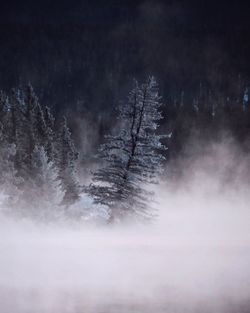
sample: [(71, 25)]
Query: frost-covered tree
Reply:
[(42, 193), (8, 175), (133, 157), (15, 126), (67, 156), (50, 133), (39, 127), (29, 116), (37, 161), (3, 106), (36, 130), (32, 125)]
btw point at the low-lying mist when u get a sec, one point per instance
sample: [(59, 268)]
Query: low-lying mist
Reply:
[(193, 258)]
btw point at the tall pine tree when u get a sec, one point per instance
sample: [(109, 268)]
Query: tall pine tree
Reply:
[(67, 156), (9, 181), (42, 193), (133, 157)]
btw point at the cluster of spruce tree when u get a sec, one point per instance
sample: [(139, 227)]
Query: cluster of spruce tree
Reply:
[(37, 159), (38, 156)]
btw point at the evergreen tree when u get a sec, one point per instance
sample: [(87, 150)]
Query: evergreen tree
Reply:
[(67, 156), (15, 126), (132, 158), (8, 173), (39, 123), (3, 106), (50, 124), (37, 164), (42, 192), (36, 128), (28, 112), (40, 127)]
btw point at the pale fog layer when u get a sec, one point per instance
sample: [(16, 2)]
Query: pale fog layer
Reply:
[(194, 258)]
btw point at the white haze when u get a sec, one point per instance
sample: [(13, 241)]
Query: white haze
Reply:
[(194, 258)]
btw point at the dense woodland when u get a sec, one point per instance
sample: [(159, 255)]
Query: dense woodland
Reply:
[(37, 161), (41, 167), (38, 158), (81, 60)]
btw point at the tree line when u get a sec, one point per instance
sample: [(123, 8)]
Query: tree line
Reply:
[(39, 160)]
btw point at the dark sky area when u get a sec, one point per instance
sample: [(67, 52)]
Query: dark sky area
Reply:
[(206, 16), (87, 52), (222, 14)]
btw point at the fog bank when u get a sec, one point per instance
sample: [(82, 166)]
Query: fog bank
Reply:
[(194, 258)]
